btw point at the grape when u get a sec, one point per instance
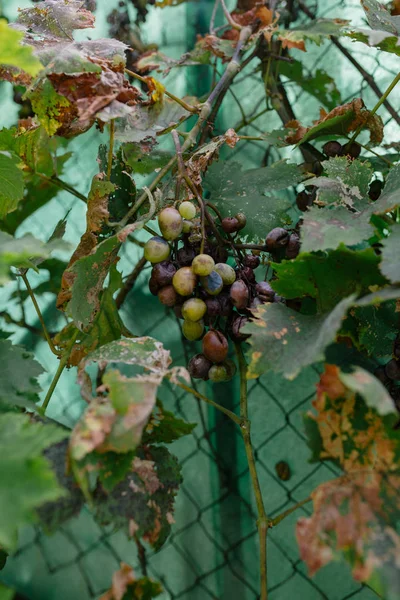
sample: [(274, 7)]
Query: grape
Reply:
[(170, 223), (185, 256), (303, 201), (192, 330), (230, 368), (225, 305), (187, 210), (184, 281), (332, 148), (392, 369), (226, 272), (352, 149), (252, 261), (163, 272), (242, 220), (237, 324), (255, 303), (293, 247), (212, 284), (218, 373), (153, 286), (277, 238), (247, 274), (264, 291), (317, 168), (156, 250), (202, 265), (375, 189), (239, 294), (215, 346), (187, 226), (230, 224), (167, 296), (194, 309), (213, 306), (199, 366), (219, 254)]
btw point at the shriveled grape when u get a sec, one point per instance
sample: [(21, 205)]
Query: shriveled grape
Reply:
[(277, 238), (230, 224), (215, 346), (199, 366), (252, 261), (163, 272), (167, 296), (239, 294)]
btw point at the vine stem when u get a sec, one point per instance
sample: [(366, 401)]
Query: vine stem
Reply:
[(63, 363), (38, 312), (377, 105), (62, 185), (110, 149), (263, 521), (276, 520), (222, 409)]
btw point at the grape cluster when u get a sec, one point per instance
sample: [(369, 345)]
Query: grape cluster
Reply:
[(212, 297)]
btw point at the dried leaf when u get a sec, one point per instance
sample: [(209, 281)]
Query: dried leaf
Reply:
[(124, 582)]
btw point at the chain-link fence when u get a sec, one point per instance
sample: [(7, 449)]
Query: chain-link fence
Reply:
[(213, 549)]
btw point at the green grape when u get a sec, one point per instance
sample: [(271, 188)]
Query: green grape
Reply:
[(184, 281), (192, 330), (170, 223), (194, 309), (187, 210), (156, 249), (203, 264), (213, 283), (218, 373), (226, 272), (187, 226)]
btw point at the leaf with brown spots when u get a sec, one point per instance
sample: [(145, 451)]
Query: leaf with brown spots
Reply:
[(125, 585), (355, 515), (315, 31)]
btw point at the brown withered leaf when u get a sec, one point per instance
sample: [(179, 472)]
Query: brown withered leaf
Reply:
[(124, 582), (199, 161), (259, 17), (341, 120)]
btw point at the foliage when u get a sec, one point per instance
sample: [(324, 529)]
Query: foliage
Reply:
[(230, 253)]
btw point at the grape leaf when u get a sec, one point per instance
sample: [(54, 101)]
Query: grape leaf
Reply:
[(54, 111), (390, 196), (13, 53), (20, 371), (355, 515), (390, 265), (321, 85), (164, 428), (385, 28), (285, 341), (26, 480), (11, 183), (328, 277), (329, 227), (143, 163), (371, 389), (346, 182), (316, 31), (125, 585), (123, 195), (234, 190), (143, 503)]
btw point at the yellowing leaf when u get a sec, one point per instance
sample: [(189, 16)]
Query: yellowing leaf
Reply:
[(13, 53)]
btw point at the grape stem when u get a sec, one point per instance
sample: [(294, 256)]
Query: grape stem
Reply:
[(222, 409), (276, 520), (63, 363), (263, 522)]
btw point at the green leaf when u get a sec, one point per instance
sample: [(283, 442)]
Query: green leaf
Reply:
[(51, 108), (122, 196), (20, 371), (164, 428), (233, 190), (329, 227), (144, 502), (285, 341), (390, 265), (385, 28), (142, 163), (315, 31), (11, 183), (390, 196), (371, 389), (6, 593), (26, 480), (321, 85), (13, 53), (346, 182), (328, 277), (338, 125)]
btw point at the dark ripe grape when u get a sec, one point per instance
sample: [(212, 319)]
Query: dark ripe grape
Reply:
[(396, 346), (167, 296), (213, 307), (170, 223), (156, 250), (277, 238), (225, 305), (199, 367), (332, 148), (153, 286), (203, 265), (215, 346), (212, 284), (163, 273), (230, 368), (226, 272), (352, 149), (230, 224), (303, 201), (381, 374), (185, 256), (218, 373), (219, 254), (239, 294), (247, 274), (264, 291), (293, 247), (317, 168), (252, 261), (375, 189), (242, 219), (236, 334), (192, 330), (184, 281), (392, 370)]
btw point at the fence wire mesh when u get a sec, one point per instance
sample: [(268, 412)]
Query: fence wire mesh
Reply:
[(213, 549)]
